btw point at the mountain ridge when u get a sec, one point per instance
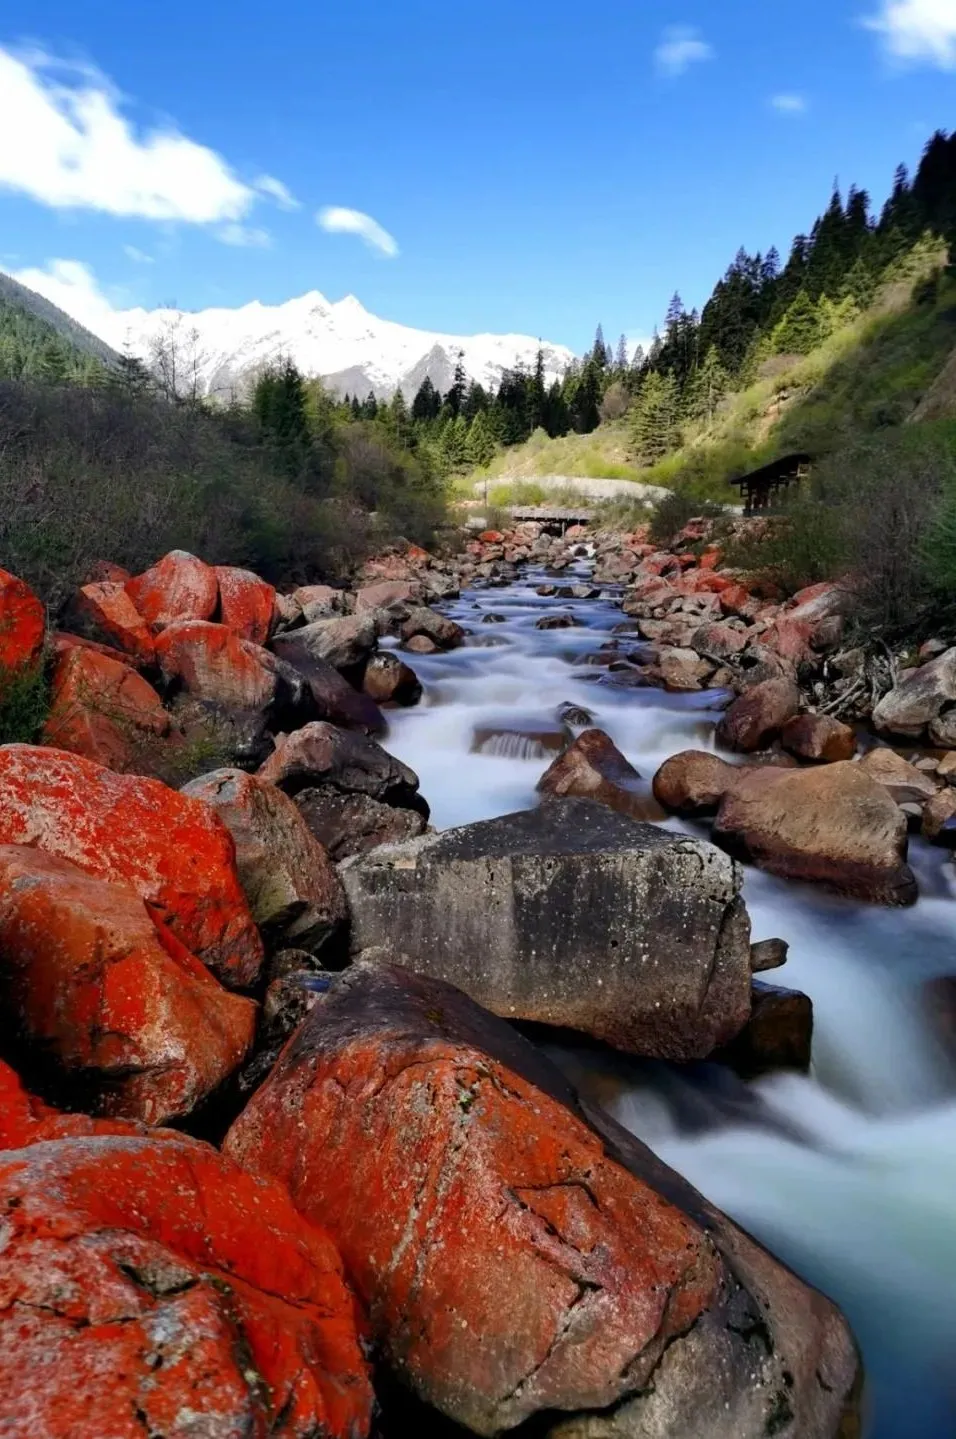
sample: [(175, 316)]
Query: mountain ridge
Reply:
[(221, 350)]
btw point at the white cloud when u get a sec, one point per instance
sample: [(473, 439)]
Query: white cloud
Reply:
[(283, 196), (138, 256), (789, 104), (67, 144), (918, 30), (681, 47), (246, 236), (340, 221), (73, 287)]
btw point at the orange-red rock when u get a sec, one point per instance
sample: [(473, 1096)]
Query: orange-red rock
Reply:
[(172, 850), (512, 1262), (819, 737), (25, 1119), (179, 587), (149, 1286), (112, 998), (694, 781), (22, 625), (108, 611), (213, 664), (102, 709), (247, 604), (62, 642)]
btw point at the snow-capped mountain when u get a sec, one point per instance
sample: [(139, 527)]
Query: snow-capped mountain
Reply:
[(221, 351)]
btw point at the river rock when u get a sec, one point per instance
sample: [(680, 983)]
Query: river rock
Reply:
[(768, 954), (555, 622), (388, 680), (694, 782), (683, 670), (919, 699), (129, 1018), (347, 824), (901, 780), (171, 849), (343, 643), (819, 737), (388, 592), (942, 731), (759, 715), (505, 909), (319, 754), (778, 1034), (334, 699), (443, 632), (834, 825), (179, 587), (247, 604), (154, 1288), (102, 709), (292, 886), (517, 1263), (592, 767), (939, 818)]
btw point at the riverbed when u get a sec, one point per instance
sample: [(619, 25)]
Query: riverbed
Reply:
[(848, 1174)]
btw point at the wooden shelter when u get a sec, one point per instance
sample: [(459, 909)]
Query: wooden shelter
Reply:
[(759, 489)]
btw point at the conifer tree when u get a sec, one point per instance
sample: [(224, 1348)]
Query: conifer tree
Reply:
[(799, 330), (480, 448), (708, 387), (654, 430)]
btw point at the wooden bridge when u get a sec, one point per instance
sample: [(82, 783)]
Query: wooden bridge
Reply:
[(555, 519)]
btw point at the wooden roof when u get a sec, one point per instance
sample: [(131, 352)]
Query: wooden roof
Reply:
[(784, 468)]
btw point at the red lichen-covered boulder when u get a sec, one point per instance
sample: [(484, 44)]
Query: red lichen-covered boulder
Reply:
[(513, 1261), (179, 587), (149, 1286), (292, 886), (110, 996), (25, 1119), (172, 850), (213, 664), (247, 604), (102, 709), (62, 642), (22, 625), (106, 612)]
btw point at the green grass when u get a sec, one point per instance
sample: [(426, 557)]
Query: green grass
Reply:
[(24, 704)]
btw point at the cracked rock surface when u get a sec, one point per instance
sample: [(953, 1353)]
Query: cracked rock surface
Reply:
[(149, 1289), (519, 1256)]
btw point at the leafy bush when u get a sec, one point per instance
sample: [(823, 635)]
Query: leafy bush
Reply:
[(881, 514), (24, 704), (673, 513)]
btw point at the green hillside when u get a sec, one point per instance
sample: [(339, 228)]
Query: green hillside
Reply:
[(39, 341)]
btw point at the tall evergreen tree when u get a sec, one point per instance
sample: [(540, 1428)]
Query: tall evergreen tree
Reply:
[(654, 431)]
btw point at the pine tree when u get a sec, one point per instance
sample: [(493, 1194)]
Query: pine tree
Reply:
[(620, 359), (480, 448), (455, 399), (130, 377), (426, 403), (599, 349), (708, 387), (654, 428), (453, 443), (799, 330)]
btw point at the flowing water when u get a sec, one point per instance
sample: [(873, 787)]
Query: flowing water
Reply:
[(848, 1174)]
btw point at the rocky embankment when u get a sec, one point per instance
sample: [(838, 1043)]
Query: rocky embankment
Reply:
[(382, 1210)]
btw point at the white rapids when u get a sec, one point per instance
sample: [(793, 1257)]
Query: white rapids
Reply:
[(848, 1174)]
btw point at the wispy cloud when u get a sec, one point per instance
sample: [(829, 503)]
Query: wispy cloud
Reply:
[(248, 237), (138, 256), (283, 196), (918, 31), (789, 104), (338, 220), (681, 47), (70, 146)]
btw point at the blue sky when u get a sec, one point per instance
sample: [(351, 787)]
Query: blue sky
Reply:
[(533, 167)]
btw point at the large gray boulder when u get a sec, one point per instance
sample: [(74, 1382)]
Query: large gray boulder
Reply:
[(341, 643), (920, 699), (569, 915)]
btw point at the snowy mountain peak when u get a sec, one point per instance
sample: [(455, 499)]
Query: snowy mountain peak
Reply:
[(338, 341)]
